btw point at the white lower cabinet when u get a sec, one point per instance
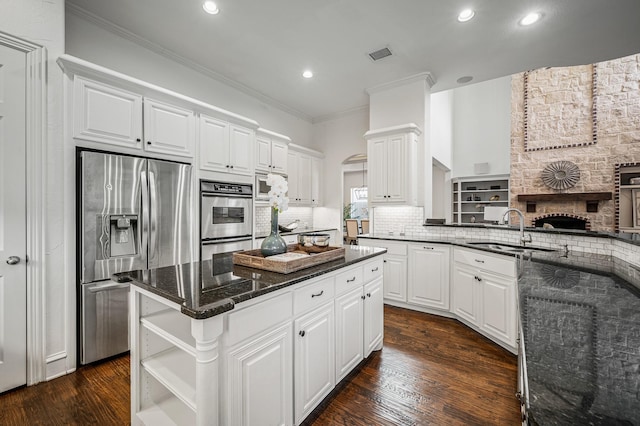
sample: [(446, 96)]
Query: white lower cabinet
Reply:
[(373, 316), (349, 331), (314, 355), (484, 287), (428, 283), (260, 380), (395, 278)]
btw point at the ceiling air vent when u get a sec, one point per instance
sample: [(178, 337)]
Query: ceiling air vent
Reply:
[(379, 54)]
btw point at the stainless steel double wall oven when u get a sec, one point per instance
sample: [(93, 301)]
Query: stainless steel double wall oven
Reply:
[(226, 217)]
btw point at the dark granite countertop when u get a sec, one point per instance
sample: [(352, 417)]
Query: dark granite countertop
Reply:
[(212, 287), (580, 317)]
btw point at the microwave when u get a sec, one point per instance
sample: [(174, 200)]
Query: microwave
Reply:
[(261, 189)]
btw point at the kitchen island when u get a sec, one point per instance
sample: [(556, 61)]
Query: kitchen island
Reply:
[(577, 311), (215, 343)]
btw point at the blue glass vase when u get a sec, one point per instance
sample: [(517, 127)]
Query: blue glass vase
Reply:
[(274, 243)]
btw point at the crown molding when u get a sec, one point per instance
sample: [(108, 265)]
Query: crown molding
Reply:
[(424, 76), (169, 54)]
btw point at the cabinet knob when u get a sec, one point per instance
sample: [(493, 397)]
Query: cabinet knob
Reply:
[(302, 333), (384, 261), (362, 297), (231, 166), (138, 140), (368, 294), (148, 142), (227, 166)]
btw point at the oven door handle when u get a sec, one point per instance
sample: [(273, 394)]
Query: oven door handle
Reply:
[(225, 240), (212, 195)]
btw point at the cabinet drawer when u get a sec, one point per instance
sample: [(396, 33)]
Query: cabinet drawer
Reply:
[(348, 279), (503, 265), (312, 295), (398, 249), (372, 269), (259, 318)]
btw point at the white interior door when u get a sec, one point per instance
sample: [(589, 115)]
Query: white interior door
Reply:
[(13, 270)]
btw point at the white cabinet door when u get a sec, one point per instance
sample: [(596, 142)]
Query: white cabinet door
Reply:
[(168, 129), (260, 380), (314, 359), (396, 171), (241, 147), (103, 113), (377, 176), (292, 180), (498, 307), (316, 181), (279, 152), (214, 144), (304, 179), (349, 332), (465, 293), (263, 154), (373, 316), (395, 278), (429, 276)]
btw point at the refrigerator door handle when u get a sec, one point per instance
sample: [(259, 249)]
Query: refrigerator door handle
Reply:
[(153, 223), (144, 241)]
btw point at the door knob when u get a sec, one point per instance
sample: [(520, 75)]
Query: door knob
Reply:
[(13, 260)]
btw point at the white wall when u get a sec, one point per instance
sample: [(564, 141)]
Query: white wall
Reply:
[(441, 126), (42, 22), (95, 44), (339, 139), (482, 127), (398, 105)]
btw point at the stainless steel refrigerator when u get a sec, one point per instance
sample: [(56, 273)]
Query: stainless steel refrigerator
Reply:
[(133, 213)]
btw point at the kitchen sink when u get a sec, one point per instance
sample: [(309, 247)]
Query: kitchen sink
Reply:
[(508, 247)]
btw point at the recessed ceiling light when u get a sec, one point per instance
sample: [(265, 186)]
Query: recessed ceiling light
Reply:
[(465, 79), (466, 15), (531, 18), (307, 74), (210, 7)]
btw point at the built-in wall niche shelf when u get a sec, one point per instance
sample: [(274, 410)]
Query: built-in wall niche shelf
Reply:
[(628, 197), (591, 198), (471, 195)]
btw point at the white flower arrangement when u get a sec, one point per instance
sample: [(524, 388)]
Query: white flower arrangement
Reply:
[(278, 199)]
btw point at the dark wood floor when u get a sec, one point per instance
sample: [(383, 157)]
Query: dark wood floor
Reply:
[(432, 371)]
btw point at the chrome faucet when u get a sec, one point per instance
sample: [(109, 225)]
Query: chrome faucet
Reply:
[(524, 239)]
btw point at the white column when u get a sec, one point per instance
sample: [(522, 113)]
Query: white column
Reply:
[(206, 332)]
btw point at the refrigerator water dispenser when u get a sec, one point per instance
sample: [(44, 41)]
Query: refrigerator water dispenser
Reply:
[(122, 235)]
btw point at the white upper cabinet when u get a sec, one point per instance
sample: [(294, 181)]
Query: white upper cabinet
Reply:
[(214, 144), (393, 158), (241, 142), (225, 147), (106, 114), (303, 189), (168, 129), (316, 181), (271, 152)]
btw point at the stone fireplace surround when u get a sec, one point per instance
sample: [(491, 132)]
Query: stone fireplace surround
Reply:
[(615, 114)]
